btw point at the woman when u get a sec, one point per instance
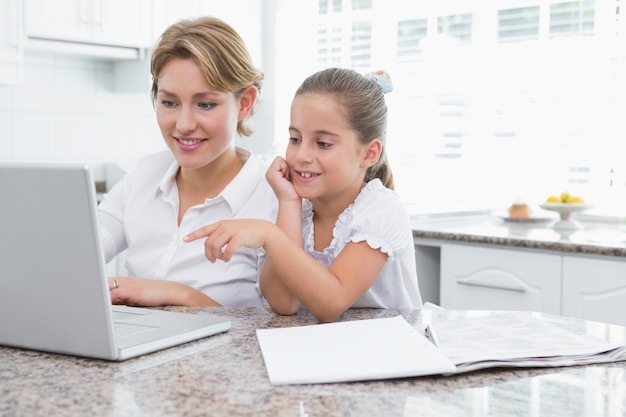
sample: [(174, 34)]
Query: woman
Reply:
[(205, 90)]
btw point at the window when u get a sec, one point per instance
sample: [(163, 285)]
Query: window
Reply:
[(519, 24), (492, 101), (410, 34), (572, 19), (361, 45), (456, 26)]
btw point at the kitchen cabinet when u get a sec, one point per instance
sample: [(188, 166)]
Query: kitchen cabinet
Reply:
[(594, 289), (118, 23), (470, 259), (10, 41), (484, 278), (242, 15), (479, 277), (428, 266), (167, 12)]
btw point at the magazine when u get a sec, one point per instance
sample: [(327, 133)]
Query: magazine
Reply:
[(384, 348)]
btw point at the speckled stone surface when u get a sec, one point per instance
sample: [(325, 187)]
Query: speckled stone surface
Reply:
[(595, 238), (224, 375)]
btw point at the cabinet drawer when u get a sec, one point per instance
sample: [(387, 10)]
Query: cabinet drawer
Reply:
[(594, 289), (478, 278)]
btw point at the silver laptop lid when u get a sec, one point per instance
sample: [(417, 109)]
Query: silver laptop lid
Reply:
[(53, 289)]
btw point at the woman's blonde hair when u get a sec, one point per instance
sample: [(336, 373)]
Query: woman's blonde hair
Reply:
[(363, 102), (219, 51)]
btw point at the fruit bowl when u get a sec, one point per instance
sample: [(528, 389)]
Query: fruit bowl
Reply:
[(565, 210)]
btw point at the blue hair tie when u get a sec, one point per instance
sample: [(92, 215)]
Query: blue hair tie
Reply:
[(382, 78)]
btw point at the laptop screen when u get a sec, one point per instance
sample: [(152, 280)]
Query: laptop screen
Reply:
[(53, 287)]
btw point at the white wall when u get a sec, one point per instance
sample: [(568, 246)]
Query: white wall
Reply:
[(69, 108), (66, 109)]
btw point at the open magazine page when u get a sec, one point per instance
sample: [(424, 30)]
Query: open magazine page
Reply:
[(511, 339), (357, 350), (383, 348)]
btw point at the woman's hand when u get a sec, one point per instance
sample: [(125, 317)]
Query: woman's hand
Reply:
[(153, 293)]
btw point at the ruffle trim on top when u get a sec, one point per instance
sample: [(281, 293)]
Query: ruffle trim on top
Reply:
[(373, 242)]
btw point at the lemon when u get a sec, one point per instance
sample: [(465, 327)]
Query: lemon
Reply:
[(564, 196), (575, 199)]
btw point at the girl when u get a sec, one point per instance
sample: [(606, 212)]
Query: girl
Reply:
[(205, 89), (343, 237)]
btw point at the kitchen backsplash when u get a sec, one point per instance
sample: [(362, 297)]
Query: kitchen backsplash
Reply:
[(67, 109)]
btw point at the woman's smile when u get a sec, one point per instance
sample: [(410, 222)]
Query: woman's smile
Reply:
[(188, 144)]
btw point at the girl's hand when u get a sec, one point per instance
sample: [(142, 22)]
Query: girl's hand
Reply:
[(226, 236), (278, 177)]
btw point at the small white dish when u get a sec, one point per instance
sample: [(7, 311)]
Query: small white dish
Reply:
[(529, 219)]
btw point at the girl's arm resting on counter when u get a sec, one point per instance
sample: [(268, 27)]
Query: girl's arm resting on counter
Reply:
[(326, 293)]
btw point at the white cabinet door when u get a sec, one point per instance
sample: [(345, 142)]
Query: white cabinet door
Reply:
[(67, 20), (126, 23), (167, 12), (123, 23), (594, 289), (10, 48), (243, 15), (477, 278)]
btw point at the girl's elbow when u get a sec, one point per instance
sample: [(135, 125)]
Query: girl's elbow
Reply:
[(329, 309), (284, 312), (327, 315), (286, 307)]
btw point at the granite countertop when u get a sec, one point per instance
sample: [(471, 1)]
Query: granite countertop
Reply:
[(224, 375), (604, 238)]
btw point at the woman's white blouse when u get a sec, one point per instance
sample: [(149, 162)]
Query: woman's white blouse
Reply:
[(379, 217), (140, 215)]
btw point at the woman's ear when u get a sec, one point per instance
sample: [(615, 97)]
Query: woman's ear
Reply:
[(372, 152), (246, 101)]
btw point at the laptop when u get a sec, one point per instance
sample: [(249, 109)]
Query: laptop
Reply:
[(54, 292)]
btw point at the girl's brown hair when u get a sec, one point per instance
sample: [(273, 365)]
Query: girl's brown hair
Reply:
[(219, 51), (363, 102)]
